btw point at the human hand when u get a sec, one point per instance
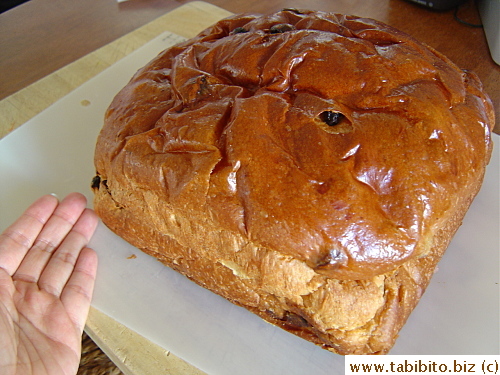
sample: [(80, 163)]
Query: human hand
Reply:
[(46, 282)]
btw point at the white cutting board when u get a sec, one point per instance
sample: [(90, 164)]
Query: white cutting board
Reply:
[(53, 153)]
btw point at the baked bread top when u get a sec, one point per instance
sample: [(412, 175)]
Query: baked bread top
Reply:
[(334, 139)]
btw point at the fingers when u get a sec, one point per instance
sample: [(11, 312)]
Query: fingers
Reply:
[(47, 245), (55, 230), (62, 263), (17, 239), (77, 293)]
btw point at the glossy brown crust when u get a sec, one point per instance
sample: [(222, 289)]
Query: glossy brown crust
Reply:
[(235, 135)]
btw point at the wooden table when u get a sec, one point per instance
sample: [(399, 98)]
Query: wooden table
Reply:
[(50, 47)]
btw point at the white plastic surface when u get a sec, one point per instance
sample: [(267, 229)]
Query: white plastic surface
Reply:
[(53, 153)]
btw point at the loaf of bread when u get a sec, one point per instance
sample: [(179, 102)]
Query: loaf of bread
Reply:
[(311, 167)]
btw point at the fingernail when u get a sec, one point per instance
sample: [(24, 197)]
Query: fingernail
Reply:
[(54, 195)]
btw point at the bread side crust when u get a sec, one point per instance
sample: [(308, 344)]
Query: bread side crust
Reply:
[(343, 316)]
